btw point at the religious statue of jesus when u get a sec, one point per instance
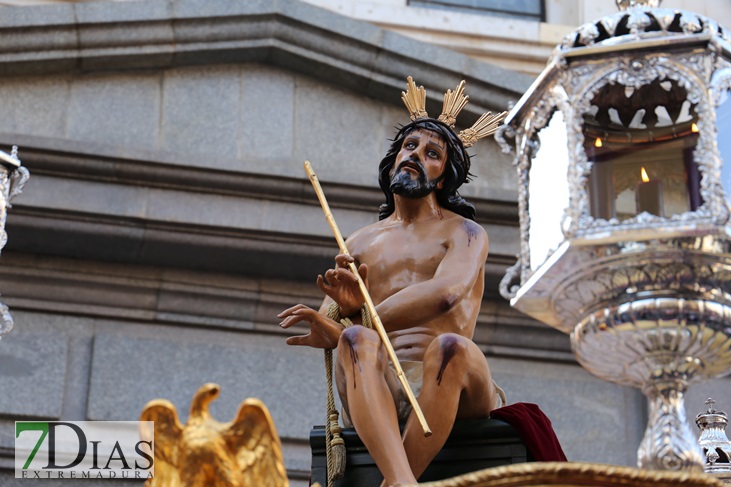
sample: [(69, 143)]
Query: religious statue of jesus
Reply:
[(423, 263)]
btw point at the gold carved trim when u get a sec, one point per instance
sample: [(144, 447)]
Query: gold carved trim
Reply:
[(572, 474)]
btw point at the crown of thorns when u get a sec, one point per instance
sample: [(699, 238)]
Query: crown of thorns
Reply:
[(454, 101)]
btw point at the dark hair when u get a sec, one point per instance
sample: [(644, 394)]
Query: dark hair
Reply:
[(456, 170)]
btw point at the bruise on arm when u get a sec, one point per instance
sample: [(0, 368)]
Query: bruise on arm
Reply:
[(472, 230), (447, 302)]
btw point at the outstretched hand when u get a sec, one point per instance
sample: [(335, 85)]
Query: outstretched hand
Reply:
[(324, 332), (342, 286)]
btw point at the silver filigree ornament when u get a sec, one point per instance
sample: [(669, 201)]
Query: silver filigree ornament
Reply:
[(637, 19), (627, 4), (664, 17), (646, 298), (610, 23), (587, 34), (13, 177)]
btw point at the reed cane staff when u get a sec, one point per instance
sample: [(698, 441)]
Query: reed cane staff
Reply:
[(377, 324)]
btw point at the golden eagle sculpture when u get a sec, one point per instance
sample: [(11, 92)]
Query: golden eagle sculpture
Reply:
[(243, 453)]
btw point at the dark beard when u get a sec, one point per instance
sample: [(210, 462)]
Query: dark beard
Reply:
[(404, 185)]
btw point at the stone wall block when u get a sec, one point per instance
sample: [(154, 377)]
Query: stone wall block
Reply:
[(267, 114), (34, 105), (125, 11), (183, 9), (289, 380), (135, 24), (32, 373), (44, 16), (116, 109), (200, 113), (351, 154)]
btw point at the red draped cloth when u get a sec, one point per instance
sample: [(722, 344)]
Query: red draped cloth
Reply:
[(534, 429)]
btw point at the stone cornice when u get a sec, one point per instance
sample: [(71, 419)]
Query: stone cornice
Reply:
[(159, 34), (96, 162), (55, 226), (221, 301), (103, 237)]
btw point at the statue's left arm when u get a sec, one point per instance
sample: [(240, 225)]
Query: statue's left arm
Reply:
[(453, 281)]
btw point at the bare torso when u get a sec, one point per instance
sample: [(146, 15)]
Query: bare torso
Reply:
[(400, 255)]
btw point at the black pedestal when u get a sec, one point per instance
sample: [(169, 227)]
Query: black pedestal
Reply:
[(472, 445)]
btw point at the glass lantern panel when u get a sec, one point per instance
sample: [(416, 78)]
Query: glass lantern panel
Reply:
[(723, 125), (640, 143), (548, 190)]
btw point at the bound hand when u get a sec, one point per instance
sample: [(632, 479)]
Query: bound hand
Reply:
[(324, 332), (342, 286)]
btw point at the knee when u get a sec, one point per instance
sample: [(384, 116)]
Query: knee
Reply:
[(448, 355), (359, 345), (358, 336), (448, 347)]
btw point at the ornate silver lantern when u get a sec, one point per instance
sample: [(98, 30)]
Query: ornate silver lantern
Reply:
[(13, 177), (624, 208), (714, 442)]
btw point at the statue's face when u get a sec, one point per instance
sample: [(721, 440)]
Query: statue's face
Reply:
[(419, 164)]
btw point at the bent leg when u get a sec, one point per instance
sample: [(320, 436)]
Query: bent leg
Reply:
[(457, 384), (360, 376)]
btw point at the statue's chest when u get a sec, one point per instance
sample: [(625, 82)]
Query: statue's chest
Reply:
[(402, 258)]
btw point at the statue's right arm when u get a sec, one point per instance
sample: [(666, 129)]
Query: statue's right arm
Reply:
[(324, 332), (339, 285)]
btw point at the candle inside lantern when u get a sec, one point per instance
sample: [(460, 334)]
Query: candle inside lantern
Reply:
[(601, 187), (648, 195)]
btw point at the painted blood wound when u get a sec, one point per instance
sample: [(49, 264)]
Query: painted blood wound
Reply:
[(353, 358), (472, 231), (449, 349)]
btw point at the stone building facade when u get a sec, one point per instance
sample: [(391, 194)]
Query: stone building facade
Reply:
[(168, 220), (517, 35)]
